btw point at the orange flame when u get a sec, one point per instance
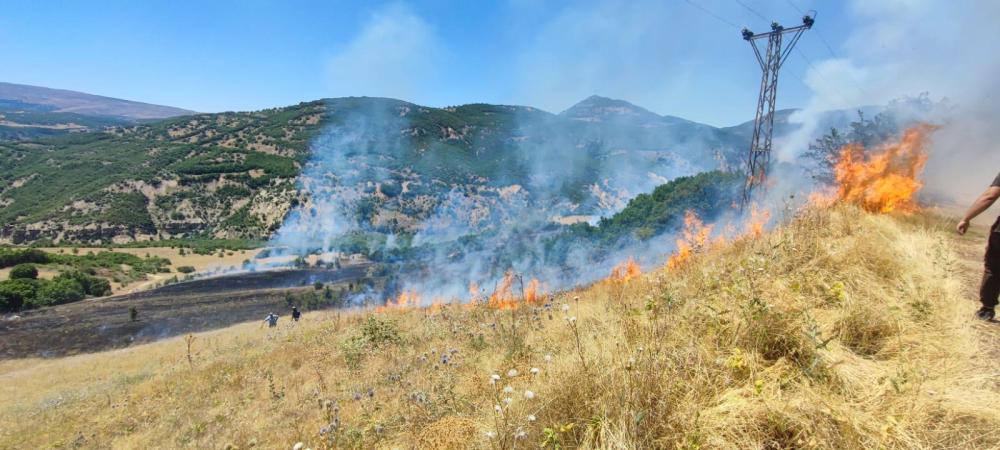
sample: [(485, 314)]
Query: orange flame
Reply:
[(694, 240), (533, 293), (625, 271), (758, 219), (405, 300), (886, 180), (503, 296), (473, 292)]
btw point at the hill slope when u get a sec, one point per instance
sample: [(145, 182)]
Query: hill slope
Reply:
[(65, 101), (388, 165), (840, 330), (31, 112)]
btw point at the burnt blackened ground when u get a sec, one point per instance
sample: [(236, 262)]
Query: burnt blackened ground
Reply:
[(199, 305)]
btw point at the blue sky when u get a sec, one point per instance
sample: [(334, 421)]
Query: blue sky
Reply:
[(666, 55)]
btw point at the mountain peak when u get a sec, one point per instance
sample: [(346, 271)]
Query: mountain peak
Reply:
[(598, 109)]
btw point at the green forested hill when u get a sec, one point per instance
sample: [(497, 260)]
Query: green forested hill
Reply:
[(389, 164)]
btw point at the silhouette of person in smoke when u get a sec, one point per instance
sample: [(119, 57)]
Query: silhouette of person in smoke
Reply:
[(989, 290)]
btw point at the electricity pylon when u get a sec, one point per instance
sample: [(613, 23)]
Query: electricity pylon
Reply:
[(763, 125)]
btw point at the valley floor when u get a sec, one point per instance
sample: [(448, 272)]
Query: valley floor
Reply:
[(839, 330)]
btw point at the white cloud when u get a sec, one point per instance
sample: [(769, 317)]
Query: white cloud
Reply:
[(395, 54)]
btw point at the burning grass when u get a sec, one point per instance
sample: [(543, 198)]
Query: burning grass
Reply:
[(840, 330), (885, 179)]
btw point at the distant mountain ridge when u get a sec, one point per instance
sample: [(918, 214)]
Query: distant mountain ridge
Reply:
[(66, 101), (596, 108), (392, 166)]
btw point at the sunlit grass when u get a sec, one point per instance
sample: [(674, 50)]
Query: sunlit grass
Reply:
[(839, 330)]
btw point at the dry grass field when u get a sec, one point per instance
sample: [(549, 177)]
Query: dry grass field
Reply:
[(201, 263), (839, 330)]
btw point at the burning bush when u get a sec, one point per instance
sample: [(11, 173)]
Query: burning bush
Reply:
[(886, 179)]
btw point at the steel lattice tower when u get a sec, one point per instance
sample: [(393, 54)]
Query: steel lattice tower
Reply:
[(763, 125)]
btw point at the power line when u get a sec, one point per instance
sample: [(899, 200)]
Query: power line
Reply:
[(833, 54), (794, 6), (753, 11), (710, 13)]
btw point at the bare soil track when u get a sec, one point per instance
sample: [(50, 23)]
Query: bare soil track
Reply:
[(970, 250), (103, 323)]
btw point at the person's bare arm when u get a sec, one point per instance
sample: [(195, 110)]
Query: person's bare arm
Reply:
[(985, 200)]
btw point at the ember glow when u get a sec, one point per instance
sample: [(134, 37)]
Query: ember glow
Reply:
[(884, 180)]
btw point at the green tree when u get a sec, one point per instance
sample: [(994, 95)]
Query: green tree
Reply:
[(867, 133), (57, 292), (24, 271), (91, 285), (15, 293)]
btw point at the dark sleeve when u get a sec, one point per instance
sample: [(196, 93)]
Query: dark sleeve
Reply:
[(996, 182)]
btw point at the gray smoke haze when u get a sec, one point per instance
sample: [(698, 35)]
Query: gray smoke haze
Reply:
[(374, 161), (905, 48), (588, 166)]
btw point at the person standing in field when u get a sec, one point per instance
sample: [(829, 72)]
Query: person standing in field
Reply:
[(296, 313), (989, 291), (271, 320)]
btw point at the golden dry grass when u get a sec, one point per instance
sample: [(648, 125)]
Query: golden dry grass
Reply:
[(839, 330)]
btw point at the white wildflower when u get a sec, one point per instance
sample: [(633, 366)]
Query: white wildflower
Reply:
[(534, 371), (298, 446), (532, 418), (497, 408), (508, 389), (490, 435), (565, 307), (529, 395), (507, 401), (521, 434), (548, 358), (494, 378), (512, 373)]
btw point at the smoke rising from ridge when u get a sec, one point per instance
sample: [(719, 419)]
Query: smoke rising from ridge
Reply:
[(445, 206)]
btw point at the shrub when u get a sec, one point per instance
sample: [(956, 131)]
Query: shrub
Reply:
[(91, 285), (378, 332), (185, 269), (57, 292), (15, 293), (11, 257), (24, 271)]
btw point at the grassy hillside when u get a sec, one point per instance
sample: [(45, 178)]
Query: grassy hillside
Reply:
[(839, 330), (236, 175), (168, 179)]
